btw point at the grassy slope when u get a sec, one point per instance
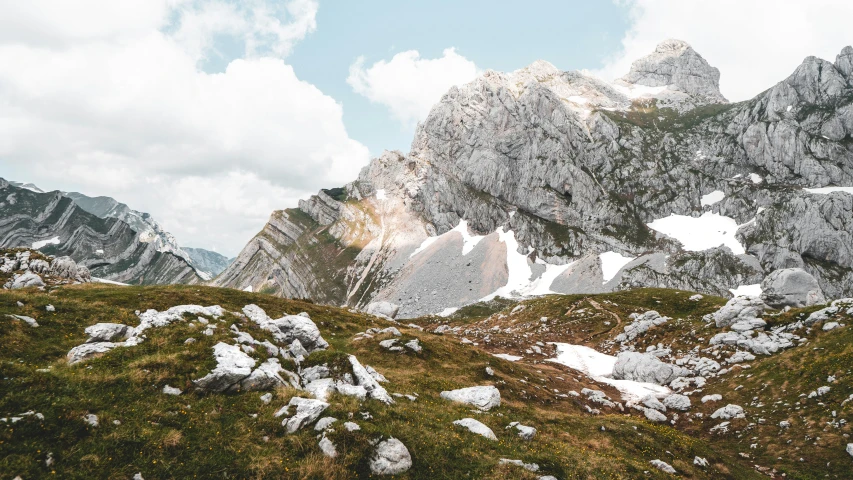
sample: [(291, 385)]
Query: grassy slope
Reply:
[(763, 388), (212, 436)]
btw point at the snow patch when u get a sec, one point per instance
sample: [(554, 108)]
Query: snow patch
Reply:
[(109, 282), (747, 290), (516, 263), (542, 285), (633, 91), (827, 190), (599, 366), (713, 197), (380, 194), (42, 243), (468, 241), (611, 263), (702, 233), (248, 289), (506, 356), (448, 311)]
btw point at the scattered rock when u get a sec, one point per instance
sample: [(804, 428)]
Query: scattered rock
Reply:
[(307, 411), (28, 320), (328, 448), (712, 398), (532, 467), (107, 332), (351, 426), (172, 390), (89, 350), (699, 461), (643, 367), (91, 419), (50, 308), (383, 309), (477, 427), (391, 457), (484, 398), (728, 412), (677, 402), (662, 466), (324, 423)]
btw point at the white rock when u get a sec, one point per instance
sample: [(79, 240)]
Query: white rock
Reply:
[(662, 466), (525, 432), (728, 412), (232, 366), (107, 332), (89, 350), (702, 462), (324, 423), (172, 390), (477, 427), (382, 309), (366, 380), (26, 280), (791, 287), (307, 410), (484, 398), (850, 449), (328, 448), (91, 419), (266, 398), (414, 345), (677, 402), (391, 457), (737, 309), (351, 426), (28, 320), (654, 415), (532, 467), (50, 308), (644, 367), (712, 398)]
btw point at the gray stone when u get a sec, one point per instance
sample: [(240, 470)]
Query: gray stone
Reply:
[(27, 280), (663, 466), (28, 320), (642, 367), (232, 366), (172, 390), (739, 309), (89, 350), (107, 332), (364, 379), (391, 457), (677, 402), (383, 309), (307, 411), (483, 398), (791, 287), (328, 448), (728, 412), (475, 426)]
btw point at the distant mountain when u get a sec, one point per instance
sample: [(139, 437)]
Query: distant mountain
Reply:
[(542, 181), (56, 225), (211, 263)]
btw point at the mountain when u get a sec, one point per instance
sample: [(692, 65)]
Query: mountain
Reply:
[(110, 248), (542, 181), (208, 262)]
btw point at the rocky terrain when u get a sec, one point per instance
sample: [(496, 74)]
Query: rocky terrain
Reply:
[(111, 249), (104, 381), (544, 181), (209, 264)]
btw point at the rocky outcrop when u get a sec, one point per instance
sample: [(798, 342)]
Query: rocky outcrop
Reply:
[(791, 287), (642, 367)]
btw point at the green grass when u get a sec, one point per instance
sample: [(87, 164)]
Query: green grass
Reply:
[(216, 435)]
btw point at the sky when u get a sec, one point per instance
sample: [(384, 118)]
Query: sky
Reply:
[(211, 114)]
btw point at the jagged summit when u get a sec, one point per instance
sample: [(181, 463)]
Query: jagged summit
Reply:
[(844, 61), (675, 64)]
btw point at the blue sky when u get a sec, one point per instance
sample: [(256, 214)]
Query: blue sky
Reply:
[(495, 35)]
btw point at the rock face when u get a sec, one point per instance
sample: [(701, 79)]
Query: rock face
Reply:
[(391, 457), (517, 183), (792, 287), (642, 367), (483, 398), (674, 63), (107, 247)]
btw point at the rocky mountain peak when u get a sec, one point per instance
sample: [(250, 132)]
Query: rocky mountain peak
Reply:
[(844, 61), (675, 64)]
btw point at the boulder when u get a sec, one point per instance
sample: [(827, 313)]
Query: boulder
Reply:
[(265, 377), (307, 411), (391, 457), (324, 423), (328, 448), (232, 366), (364, 379), (383, 309), (26, 280), (107, 332), (477, 427), (728, 412), (677, 402), (484, 398), (654, 415), (739, 309), (792, 287), (171, 390), (642, 367), (28, 320), (89, 350), (662, 466)]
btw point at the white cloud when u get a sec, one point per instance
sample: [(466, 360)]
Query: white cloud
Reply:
[(754, 43), (408, 84), (126, 112)]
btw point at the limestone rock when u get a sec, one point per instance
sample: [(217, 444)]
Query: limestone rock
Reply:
[(663, 466), (383, 309), (107, 332), (328, 448), (738, 309), (483, 398), (791, 287), (475, 426), (307, 411), (643, 367), (728, 412), (89, 350), (27, 280), (364, 379), (391, 457), (232, 366), (677, 402)]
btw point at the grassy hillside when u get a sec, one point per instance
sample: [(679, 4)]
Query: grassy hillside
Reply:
[(236, 436)]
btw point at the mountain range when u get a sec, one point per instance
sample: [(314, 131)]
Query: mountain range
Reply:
[(541, 181)]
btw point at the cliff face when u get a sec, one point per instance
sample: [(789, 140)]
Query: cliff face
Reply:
[(572, 182), (110, 248)]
